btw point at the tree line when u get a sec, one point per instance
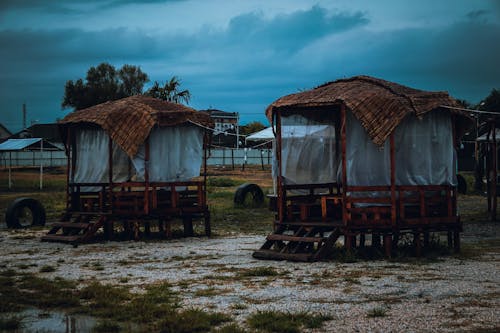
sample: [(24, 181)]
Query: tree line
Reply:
[(106, 83)]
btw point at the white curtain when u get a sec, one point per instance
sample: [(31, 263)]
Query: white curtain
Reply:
[(308, 154), (425, 153), (92, 159), (176, 154)]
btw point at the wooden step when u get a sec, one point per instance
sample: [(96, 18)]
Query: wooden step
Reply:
[(90, 213), (60, 238), (289, 238), (312, 224), (275, 255), (75, 225)]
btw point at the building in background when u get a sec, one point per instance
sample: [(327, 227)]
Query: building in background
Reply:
[(226, 131), (4, 133)]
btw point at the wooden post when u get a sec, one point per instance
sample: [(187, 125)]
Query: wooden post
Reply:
[(393, 181), (281, 202), (343, 124), (146, 176), (110, 172), (388, 245), (494, 169), (418, 244)]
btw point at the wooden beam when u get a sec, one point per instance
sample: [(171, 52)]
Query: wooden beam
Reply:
[(146, 176), (343, 122), (393, 180), (495, 175)]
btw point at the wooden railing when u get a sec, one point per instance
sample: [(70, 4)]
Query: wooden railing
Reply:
[(137, 199)]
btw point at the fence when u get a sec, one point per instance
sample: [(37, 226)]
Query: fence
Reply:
[(33, 158), (218, 156)]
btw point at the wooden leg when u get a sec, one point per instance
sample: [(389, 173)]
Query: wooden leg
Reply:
[(208, 229), (418, 244), (395, 240), (388, 245), (168, 229), (362, 240), (348, 242), (188, 226), (450, 239), (426, 239), (375, 240), (456, 240), (136, 230), (147, 228)]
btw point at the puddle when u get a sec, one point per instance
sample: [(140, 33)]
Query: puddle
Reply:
[(34, 320)]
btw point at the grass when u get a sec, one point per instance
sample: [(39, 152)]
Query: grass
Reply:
[(377, 312), (258, 272), (191, 320), (271, 321), (10, 323), (47, 269)]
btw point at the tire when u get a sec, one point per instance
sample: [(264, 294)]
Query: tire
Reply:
[(257, 196), (462, 184), (25, 212)]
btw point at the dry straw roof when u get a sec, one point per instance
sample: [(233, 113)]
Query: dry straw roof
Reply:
[(378, 104), (128, 121)]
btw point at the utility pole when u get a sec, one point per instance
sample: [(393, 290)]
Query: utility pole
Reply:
[(24, 115)]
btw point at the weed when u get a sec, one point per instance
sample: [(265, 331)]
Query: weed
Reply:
[(377, 312), (239, 306), (11, 323), (269, 321), (191, 320), (222, 182), (207, 292), (106, 326), (259, 271), (231, 328), (47, 269)]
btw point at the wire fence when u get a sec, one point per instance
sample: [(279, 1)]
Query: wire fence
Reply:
[(217, 156)]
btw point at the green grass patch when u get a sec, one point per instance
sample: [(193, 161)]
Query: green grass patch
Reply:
[(191, 320), (10, 323), (259, 272), (377, 312), (107, 326), (270, 321), (222, 182), (47, 269)]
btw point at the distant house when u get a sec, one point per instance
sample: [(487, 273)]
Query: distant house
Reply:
[(49, 132), (226, 131), (4, 133)]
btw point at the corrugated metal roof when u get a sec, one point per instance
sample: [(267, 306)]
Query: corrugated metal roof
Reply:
[(18, 144)]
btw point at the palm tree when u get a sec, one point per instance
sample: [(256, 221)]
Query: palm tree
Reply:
[(170, 91)]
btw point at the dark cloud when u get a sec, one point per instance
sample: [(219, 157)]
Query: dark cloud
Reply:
[(293, 31), (254, 60)]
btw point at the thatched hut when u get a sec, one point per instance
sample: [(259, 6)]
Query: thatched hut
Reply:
[(133, 161), (384, 163)]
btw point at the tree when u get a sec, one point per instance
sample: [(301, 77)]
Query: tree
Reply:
[(252, 127), (104, 83), (170, 91), (491, 102)]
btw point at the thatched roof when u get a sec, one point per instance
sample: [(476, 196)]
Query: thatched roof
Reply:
[(128, 121), (379, 105)]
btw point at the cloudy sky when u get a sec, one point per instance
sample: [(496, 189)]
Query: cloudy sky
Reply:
[(240, 55)]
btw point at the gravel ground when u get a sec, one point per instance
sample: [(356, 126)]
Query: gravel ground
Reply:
[(452, 294)]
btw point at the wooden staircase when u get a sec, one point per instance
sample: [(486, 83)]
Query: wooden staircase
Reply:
[(300, 242), (75, 227)]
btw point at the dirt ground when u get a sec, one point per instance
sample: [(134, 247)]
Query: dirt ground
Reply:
[(454, 293)]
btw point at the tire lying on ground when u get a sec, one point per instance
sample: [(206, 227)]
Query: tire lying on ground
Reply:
[(25, 212), (247, 189)]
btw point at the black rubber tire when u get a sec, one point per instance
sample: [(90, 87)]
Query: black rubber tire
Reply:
[(462, 184), (18, 206), (245, 189)]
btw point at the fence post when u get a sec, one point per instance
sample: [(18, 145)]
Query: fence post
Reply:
[(232, 158)]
